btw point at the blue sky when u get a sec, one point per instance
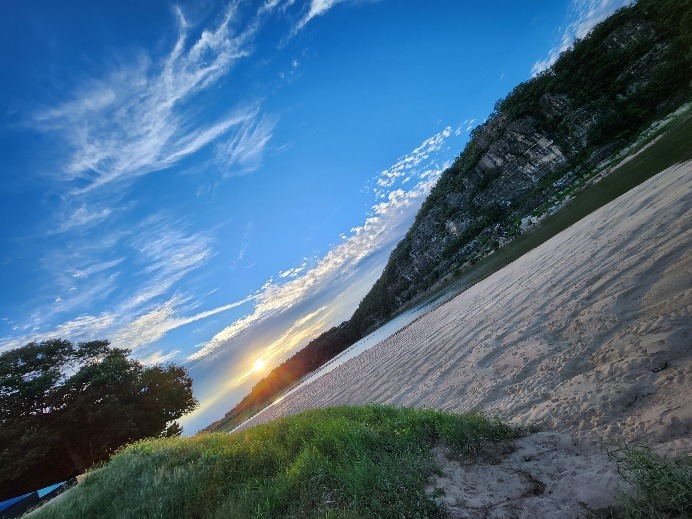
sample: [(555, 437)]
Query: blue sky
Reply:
[(212, 183)]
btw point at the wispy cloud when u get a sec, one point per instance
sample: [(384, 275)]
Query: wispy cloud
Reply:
[(585, 15), (159, 357), (77, 279), (243, 151), (90, 269), (139, 119), (83, 217), (408, 163), (166, 252), (295, 271), (316, 8), (126, 329), (244, 244), (83, 327), (157, 322)]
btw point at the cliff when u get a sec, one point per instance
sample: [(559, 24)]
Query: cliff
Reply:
[(542, 140)]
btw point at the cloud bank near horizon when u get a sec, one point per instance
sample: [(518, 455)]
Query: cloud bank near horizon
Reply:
[(169, 253), (380, 231)]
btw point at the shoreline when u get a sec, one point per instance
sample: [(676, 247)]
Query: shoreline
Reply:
[(626, 170), (568, 347)]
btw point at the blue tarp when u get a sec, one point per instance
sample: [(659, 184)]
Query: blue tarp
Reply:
[(49, 489), (10, 502), (41, 493)]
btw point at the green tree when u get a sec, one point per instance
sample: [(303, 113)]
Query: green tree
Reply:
[(64, 408)]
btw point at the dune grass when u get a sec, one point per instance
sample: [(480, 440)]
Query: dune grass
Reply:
[(342, 462), (662, 487)]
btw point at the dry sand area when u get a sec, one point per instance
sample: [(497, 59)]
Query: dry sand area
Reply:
[(589, 336)]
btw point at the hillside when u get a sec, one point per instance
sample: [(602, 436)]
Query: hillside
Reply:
[(542, 143), (544, 137)]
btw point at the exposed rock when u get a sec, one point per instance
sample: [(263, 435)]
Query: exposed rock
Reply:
[(527, 222), (554, 105), (629, 35)]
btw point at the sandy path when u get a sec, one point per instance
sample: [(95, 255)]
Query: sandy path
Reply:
[(589, 334)]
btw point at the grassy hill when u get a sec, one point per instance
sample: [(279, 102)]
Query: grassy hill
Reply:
[(344, 462), (338, 463)]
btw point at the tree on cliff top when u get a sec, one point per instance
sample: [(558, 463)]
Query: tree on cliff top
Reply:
[(64, 408)]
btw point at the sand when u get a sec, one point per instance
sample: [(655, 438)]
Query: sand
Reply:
[(588, 335), (546, 475)]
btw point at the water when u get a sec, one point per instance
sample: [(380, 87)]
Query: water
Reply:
[(367, 342)]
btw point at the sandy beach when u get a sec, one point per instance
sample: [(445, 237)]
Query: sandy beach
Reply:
[(590, 334)]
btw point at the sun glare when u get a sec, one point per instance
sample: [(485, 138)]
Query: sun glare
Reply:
[(258, 365)]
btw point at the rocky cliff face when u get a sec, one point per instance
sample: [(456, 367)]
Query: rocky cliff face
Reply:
[(542, 139), (514, 156)]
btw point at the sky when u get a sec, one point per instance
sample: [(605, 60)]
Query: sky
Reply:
[(216, 183)]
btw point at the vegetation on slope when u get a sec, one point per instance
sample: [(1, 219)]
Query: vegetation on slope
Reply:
[(345, 462), (662, 487), (631, 70), (664, 148)]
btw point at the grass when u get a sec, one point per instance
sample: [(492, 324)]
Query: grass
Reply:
[(342, 462), (662, 488)]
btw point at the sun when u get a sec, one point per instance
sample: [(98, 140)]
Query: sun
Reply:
[(258, 365)]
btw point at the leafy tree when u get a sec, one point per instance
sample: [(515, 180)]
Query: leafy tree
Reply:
[(64, 408)]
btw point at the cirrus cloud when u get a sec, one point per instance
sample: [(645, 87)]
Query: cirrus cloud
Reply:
[(140, 118)]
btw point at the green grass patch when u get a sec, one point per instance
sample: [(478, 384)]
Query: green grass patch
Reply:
[(342, 462), (662, 487)]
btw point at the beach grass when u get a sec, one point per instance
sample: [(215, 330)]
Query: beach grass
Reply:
[(661, 487), (341, 462)]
